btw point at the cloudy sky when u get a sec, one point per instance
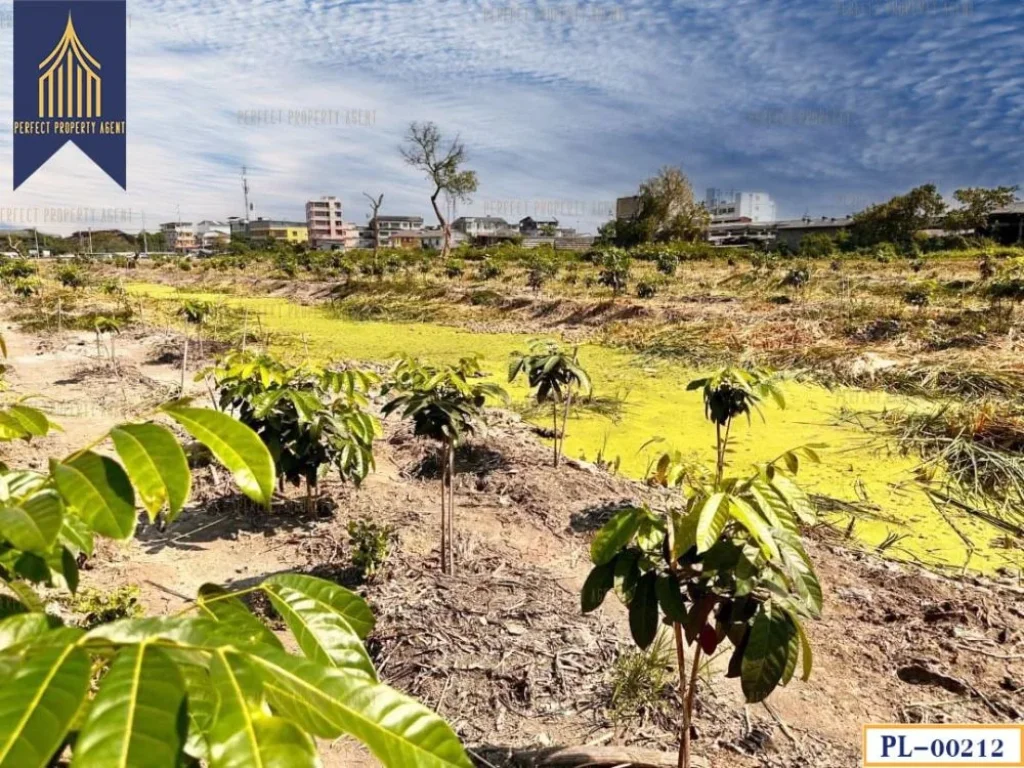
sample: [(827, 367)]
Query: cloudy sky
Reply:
[(826, 105)]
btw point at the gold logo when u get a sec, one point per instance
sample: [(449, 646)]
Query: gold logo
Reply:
[(69, 86)]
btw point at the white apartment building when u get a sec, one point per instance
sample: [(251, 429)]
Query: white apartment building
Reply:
[(739, 206), (324, 222), (210, 235), (179, 235), (480, 225)]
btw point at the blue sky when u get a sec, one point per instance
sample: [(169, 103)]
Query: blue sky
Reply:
[(826, 105)]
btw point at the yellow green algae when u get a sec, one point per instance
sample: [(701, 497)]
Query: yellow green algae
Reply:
[(657, 407)]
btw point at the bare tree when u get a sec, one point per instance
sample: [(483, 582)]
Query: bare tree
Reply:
[(423, 149), (375, 204)]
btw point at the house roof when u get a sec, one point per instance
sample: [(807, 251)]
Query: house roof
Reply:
[(823, 223), (484, 219), (276, 223), (1015, 207)]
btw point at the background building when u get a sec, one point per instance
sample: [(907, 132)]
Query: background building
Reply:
[(324, 222), (179, 236), (791, 233), (627, 207), (392, 224), (480, 225), (212, 235), (739, 206), (278, 231)]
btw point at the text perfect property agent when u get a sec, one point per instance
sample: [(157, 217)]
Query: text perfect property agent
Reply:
[(69, 127)]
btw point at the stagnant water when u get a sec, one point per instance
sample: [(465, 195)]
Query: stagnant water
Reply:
[(645, 403)]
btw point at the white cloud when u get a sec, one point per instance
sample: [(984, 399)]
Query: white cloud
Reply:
[(556, 101)]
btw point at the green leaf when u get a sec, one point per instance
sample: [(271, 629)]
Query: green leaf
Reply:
[(799, 565), (156, 465), (39, 702), (711, 520), (806, 652), (242, 735), (138, 717), (76, 535), (331, 597), (684, 532), (795, 498), (222, 606), (764, 661), (595, 588), (792, 654), (33, 421), (11, 607), (33, 526), (615, 534), (24, 626), (98, 488), (235, 445), (670, 598), (643, 611), (627, 574), (202, 705), (329, 702), (755, 525), (322, 633)]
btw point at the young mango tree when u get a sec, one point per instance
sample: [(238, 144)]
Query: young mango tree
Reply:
[(211, 685), (195, 313), (724, 562), (310, 419), (106, 325), (446, 405), (557, 376)]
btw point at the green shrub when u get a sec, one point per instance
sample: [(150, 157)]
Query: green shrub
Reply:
[(646, 290), (817, 245), (102, 606), (454, 268), (371, 545), (667, 263), (614, 274), (71, 277)]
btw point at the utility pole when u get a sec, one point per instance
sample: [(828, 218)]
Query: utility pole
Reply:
[(145, 242), (35, 231), (90, 241), (245, 193)]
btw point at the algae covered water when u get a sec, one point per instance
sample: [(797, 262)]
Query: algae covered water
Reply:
[(642, 409)]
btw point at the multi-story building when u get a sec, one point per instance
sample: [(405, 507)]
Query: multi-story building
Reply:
[(211, 235), (392, 224), (324, 222), (280, 231), (754, 207), (179, 236), (627, 207), (480, 225)]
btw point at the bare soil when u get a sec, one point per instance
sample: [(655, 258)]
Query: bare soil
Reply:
[(500, 648)]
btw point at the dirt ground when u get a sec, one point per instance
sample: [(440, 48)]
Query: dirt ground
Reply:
[(500, 649)]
